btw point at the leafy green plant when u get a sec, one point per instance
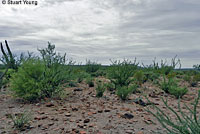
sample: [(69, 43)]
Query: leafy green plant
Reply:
[(72, 84), (123, 92), (171, 87), (167, 85), (100, 89), (90, 82), (184, 123), (38, 78), (20, 120), (91, 66), (120, 73), (26, 83), (177, 91), (110, 86), (139, 77)]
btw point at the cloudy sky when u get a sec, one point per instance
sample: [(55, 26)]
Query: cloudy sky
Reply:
[(106, 29)]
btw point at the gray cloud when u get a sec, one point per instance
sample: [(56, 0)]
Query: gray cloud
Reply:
[(107, 29)]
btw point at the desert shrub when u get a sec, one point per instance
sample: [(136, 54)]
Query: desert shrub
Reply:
[(99, 73), (177, 91), (196, 77), (90, 82), (139, 77), (187, 78), (166, 69), (81, 76), (172, 88), (120, 73), (20, 120), (100, 89), (196, 67), (167, 85), (123, 92), (91, 67), (151, 75), (110, 86), (133, 88), (26, 83), (184, 123), (72, 84), (39, 78)]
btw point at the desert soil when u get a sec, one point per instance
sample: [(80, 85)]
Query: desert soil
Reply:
[(82, 112)]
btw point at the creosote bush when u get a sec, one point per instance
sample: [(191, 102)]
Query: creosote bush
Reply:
[(38, 78), (100, 88), (26, 83), (139, 77), (123, 92), (120, 73), (171, 87)]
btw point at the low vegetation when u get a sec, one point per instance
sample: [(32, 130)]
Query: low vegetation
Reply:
[(33, 78)]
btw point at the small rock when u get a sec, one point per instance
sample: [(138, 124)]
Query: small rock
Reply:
[(51, 124), (83, 132), (49, 104), (129, 131), (74, 109), (78, 89), (140, 132), (127, 116), (100, 111), (107, 110), (86, 121), (68, 114)]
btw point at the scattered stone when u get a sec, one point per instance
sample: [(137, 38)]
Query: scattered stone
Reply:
[(107, 110), (78, 89), (140, 102), (100, 111), (86, 121), (49, 104), (129, 131), (11, 107), (51, 124), (127, 116), (74, 109), (68, 114), (83, 132), (140, 132)]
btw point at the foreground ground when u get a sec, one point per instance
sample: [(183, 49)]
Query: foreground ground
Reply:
[(80, 111)]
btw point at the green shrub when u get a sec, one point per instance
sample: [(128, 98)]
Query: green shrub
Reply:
[(81, 76), (72, 84), (120, 73), (167, 85), (110, 86), (184, 123), (139, 77), (100, 89), (90, 82), (26, 83), (38, 78), (20, 120), (92, 67), (150, 75), (171, 87), (178, 92), (187, 78), (123, 92)]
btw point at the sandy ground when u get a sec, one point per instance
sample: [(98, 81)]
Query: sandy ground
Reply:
[(82, 112)]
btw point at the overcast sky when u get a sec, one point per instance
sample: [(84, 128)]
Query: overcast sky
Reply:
[(106, 29)]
